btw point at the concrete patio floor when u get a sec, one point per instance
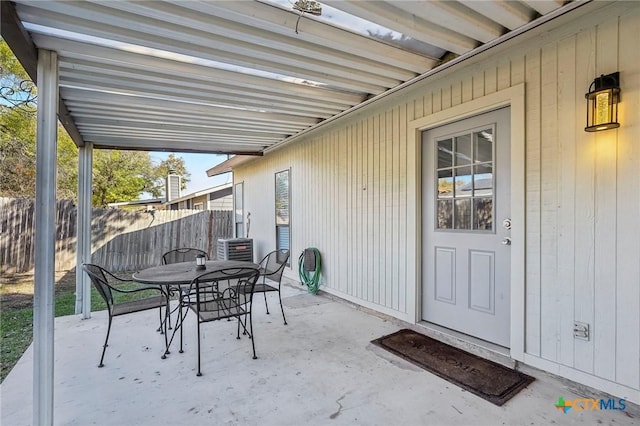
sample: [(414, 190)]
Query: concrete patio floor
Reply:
[(320, 369)]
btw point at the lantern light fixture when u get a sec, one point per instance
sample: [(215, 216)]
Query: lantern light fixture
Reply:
[(602, 103), (200, 262)]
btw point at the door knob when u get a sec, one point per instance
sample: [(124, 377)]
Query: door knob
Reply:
[(506, 241)]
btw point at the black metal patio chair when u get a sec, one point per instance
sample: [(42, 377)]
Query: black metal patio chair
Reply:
[(106, 283), (183, 254), (225, 293), (271, 268)]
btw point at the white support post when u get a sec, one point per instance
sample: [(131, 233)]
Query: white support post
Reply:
[(45, 238), (83, 251)]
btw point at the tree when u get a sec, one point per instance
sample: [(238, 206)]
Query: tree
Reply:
[(17, 89), (18, 135), (17, 154), (120, 175), (125, 175), (67, 183), (173, 164), (117, 175)]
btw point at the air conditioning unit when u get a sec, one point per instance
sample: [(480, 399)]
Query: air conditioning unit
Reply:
[(235, 249)]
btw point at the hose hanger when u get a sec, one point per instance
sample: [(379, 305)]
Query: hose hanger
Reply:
[(310, 262)]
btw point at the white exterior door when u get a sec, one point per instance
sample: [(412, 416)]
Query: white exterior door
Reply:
[(466, 208)]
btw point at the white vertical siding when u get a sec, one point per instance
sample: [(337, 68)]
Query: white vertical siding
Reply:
[(605, 284), (406, 114), (628, 211), (532, 197), (548, 219), (570, 114), (350, 198), (503, 75), (584, 208)]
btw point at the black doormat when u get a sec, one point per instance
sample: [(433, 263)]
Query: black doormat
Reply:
[(487, 379)]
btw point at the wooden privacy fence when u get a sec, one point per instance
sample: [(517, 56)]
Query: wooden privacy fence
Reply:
[(143, 248), (120, 239)]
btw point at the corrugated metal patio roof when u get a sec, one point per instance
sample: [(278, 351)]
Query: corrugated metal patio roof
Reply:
[(240, 76)]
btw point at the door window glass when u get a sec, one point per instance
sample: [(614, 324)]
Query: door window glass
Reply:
[(464, 176)]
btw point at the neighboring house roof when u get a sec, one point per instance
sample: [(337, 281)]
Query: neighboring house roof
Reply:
[(137, 202), (213, 193), (228, 165)]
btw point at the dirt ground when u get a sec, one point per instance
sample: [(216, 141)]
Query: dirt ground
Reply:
[(16, 291)]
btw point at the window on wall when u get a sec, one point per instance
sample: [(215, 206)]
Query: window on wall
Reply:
[(283, 210), (238, 206)]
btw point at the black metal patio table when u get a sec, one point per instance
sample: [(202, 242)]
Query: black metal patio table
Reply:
[(176, 276)]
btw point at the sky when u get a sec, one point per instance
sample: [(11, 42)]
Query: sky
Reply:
[(197, 165)]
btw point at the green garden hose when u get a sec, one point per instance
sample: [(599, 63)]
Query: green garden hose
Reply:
[(311, 281)]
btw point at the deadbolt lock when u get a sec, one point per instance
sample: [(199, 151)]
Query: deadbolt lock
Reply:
[(506, 223)]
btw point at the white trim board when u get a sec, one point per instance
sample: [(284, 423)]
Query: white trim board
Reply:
[(369, 305), (515, 98), (599, 384)]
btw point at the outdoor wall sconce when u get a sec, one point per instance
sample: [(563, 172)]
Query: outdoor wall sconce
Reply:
[(200, 262), (602, 103)]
